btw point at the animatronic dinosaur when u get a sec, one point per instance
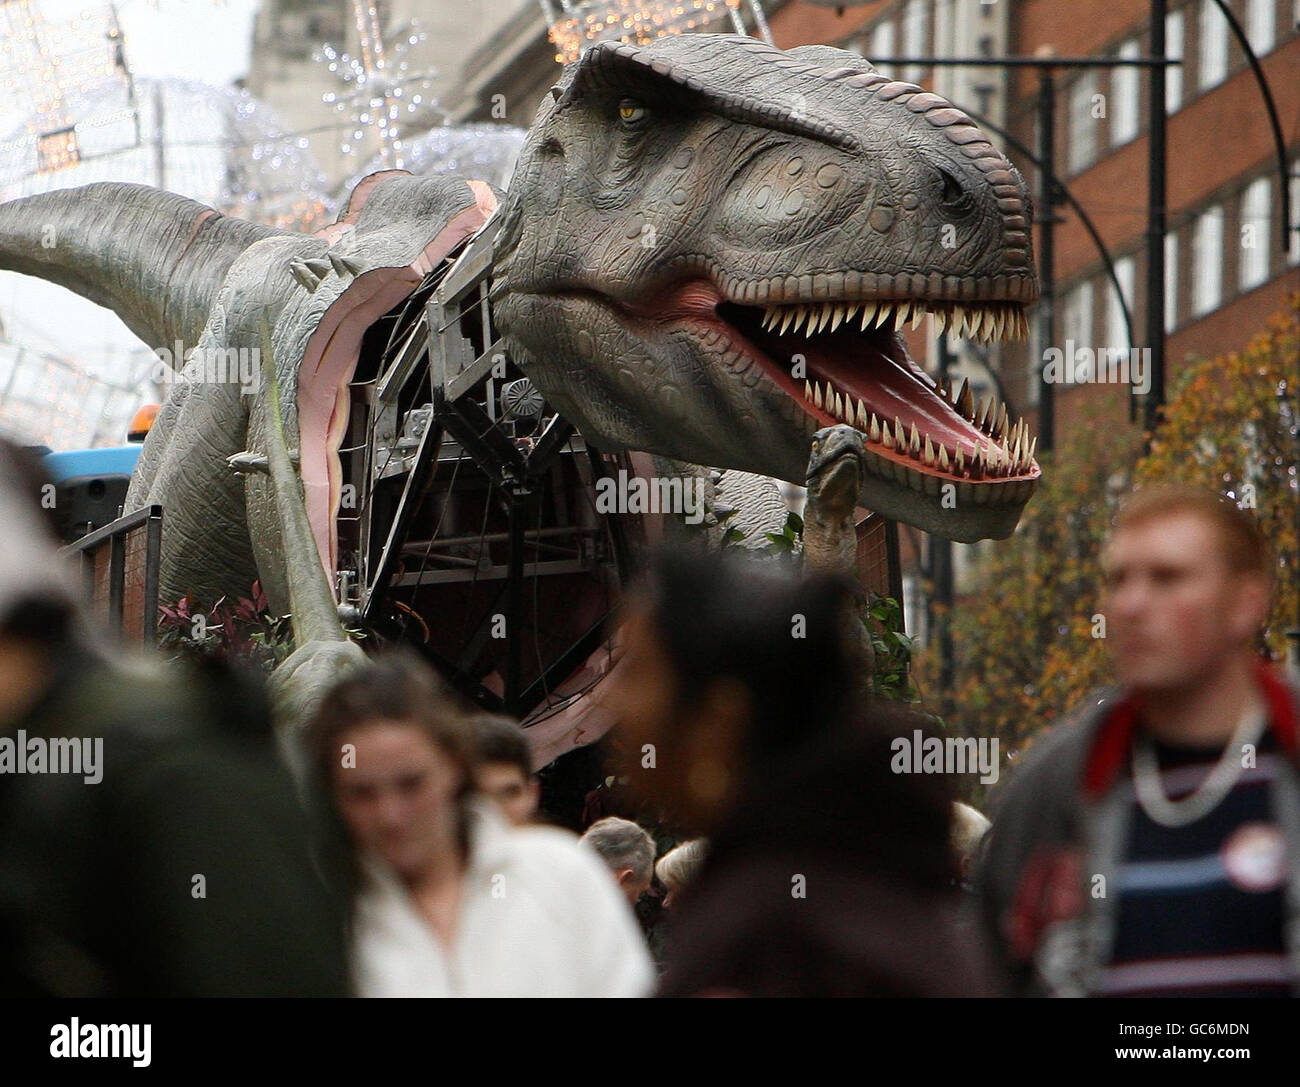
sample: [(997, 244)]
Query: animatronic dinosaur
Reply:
[(707, 252)]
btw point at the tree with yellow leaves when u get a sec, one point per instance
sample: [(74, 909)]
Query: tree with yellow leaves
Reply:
[(1029, 640)]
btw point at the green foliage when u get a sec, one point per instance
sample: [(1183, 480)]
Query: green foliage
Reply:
[(1024, 635), (891, 648)]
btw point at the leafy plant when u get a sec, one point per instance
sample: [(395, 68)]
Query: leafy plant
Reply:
[(246, 630)]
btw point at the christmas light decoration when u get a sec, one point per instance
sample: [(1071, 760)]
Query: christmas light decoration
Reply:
[(379, 86), (576, 24)]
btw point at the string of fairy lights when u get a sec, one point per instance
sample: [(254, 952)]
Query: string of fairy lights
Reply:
[(575, 24)]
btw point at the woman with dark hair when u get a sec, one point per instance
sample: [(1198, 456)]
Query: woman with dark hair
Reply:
[(448, 899), (827, 874)]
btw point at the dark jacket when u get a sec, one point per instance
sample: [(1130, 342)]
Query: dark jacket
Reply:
[(834, 879), (183, 872), (1062, 818)]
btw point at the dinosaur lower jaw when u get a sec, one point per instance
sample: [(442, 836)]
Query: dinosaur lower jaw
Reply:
[(846, 363)]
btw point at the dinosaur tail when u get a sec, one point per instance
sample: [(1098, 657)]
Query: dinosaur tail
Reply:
[(155, 258)]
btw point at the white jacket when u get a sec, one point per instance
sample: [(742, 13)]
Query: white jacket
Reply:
[(538, 916)]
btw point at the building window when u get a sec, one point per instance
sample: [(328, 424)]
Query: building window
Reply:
[(1124, 92), (1261, 25), (1174, 51), (1207, 262), (1116, 331), (882, 47), (1293, 251), (1077, 320), (1256, 233), (1213, 35), (1171, 281), (914, 38), (1083, 125)]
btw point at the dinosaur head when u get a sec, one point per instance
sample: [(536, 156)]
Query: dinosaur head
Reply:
[(709, 249), (837, 468)]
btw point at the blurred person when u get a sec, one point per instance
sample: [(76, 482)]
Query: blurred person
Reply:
[(1151, 845), (448, 898), (969, 826), (151, 843), (504, 772), (678, 868), (627, 851), (827, 874)]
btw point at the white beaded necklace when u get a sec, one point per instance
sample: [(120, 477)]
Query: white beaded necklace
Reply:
[(1218, 783)]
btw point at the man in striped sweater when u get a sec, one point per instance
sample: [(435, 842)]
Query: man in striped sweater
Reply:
[(1150, 845)]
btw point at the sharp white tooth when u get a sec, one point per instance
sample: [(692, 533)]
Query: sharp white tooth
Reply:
[(915, 444), (807, 390), (900, 435), (815, 319), (943, 457), (817, 395), (837, 317), (918, 315), (874, 432), (927, 452), (900, 317), (1002, 422), (1016, 449), (1000, 329), (959, 462), (850, 310), (868, 315), (965, 400), (787, 317), (941, 321), (958, 320), (767, 318), (861, 421), (886, 436), (839, 407), (885, 314), (1033, 445), (1006, 456)]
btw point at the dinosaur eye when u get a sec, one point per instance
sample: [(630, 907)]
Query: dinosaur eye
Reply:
[(630, 111)]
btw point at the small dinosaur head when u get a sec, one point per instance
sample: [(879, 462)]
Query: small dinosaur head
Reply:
[(709, 248), (837, 468)]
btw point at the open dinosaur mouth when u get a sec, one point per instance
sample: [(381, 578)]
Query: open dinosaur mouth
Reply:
[(845, 362)]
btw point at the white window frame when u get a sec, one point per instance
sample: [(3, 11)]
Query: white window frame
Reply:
[(1212, 46), (1175, 43), (1171, 281), (1256, 211), (914, 13), (1293, 248), (1081, 150), (1260, 25), (882, 43), (1077, 318), (1207, 261), (1116, 330), (1125, 96)]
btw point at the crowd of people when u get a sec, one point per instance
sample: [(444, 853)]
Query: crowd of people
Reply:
[(1147, 845)]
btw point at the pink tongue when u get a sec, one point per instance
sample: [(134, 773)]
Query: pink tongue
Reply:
[(891, 390)]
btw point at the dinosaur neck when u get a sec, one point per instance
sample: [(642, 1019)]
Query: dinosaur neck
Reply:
[(314, 613), (154, 258)]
